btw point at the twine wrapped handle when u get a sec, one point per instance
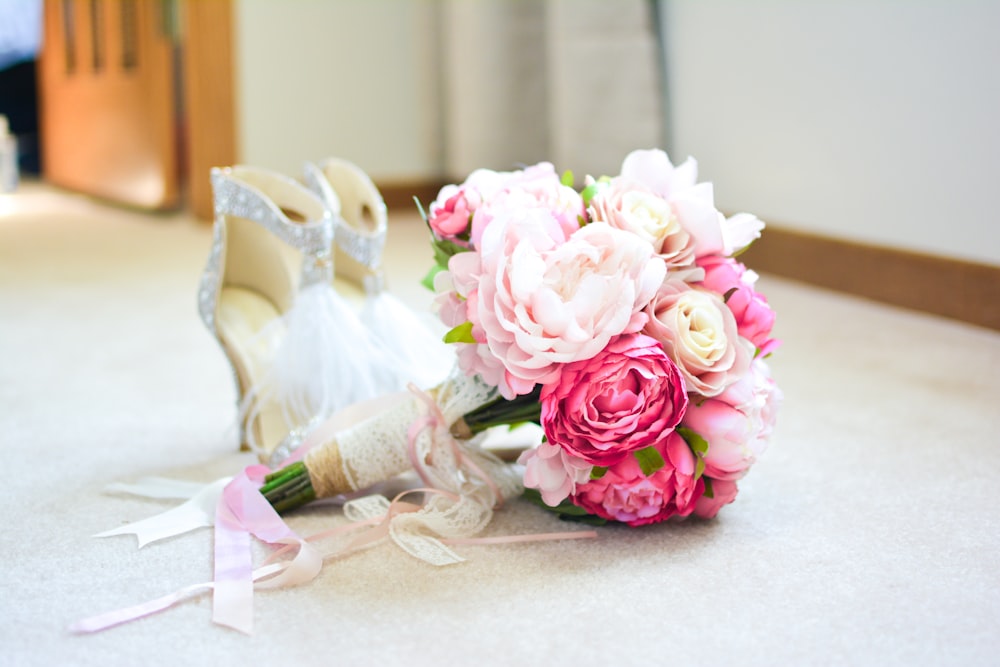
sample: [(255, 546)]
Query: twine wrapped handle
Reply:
[(428, 432)]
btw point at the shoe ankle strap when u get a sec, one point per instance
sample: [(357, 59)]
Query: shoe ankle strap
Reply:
[(266, 198)]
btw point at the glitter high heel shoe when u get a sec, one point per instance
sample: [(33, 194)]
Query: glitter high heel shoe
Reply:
[(285, 341), (407, 348)]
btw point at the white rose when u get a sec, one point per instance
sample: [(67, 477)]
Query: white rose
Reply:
[(633, 207), (699, 333)]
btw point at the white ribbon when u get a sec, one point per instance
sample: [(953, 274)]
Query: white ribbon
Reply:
[(197, 512)]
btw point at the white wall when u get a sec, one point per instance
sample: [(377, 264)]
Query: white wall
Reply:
[(356, 79), (876, 121)]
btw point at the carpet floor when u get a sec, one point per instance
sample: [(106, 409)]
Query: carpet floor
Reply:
[(864, 536)]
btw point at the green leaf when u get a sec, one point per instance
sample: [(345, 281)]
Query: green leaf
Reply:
[(649, 460), (567, 178), (709, 491), (598, 472), (460, 334), (423, 213), (589, 192), (697, 443), (445, 250), (428, 280)]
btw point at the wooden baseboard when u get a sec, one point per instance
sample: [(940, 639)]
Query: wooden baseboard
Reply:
[(957, 289), (399, 196)]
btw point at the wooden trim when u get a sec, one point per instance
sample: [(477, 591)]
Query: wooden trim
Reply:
[(957, 289), (399, 196), (209, 136)]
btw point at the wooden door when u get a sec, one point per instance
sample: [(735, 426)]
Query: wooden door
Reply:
[(108, 104)]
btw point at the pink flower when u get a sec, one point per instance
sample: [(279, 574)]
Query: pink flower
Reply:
[(723, 493), (544, 300), (737, 424), (537, 186), (728, 432), (699, 333), (450, 218), (462, 212), (624, 493), (758, 397), (553, 471), (754, 317), (625, 398), (450, 215)]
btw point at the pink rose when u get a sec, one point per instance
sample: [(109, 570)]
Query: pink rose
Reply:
[(545, 300), (754, 317), (625, 398), (634, 207), (723, 493), (625, 494), (699, 333), (451, 214), (553, 471)]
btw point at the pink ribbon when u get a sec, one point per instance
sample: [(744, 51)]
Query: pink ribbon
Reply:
[(243, 511), (264, 576)]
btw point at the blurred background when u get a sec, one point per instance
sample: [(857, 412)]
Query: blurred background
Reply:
[(872, 122)]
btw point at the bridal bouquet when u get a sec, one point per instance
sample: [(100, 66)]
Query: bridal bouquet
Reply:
[(617, 317), (624, 310)]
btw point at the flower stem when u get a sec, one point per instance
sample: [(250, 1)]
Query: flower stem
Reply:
[(289, 488), (501, 411)]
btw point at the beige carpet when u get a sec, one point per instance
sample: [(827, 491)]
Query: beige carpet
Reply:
[(868, 534)]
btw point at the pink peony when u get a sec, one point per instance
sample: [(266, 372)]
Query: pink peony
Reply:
[(723, 493), (737, 424), (699, 333), (625, 398), (537, 186), (625, 494), (543, 300), (754, 317), (728, 432), (758, 397), (553, 471)]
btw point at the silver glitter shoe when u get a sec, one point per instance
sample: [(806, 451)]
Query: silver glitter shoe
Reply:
[(262, 221), (360, 221)]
